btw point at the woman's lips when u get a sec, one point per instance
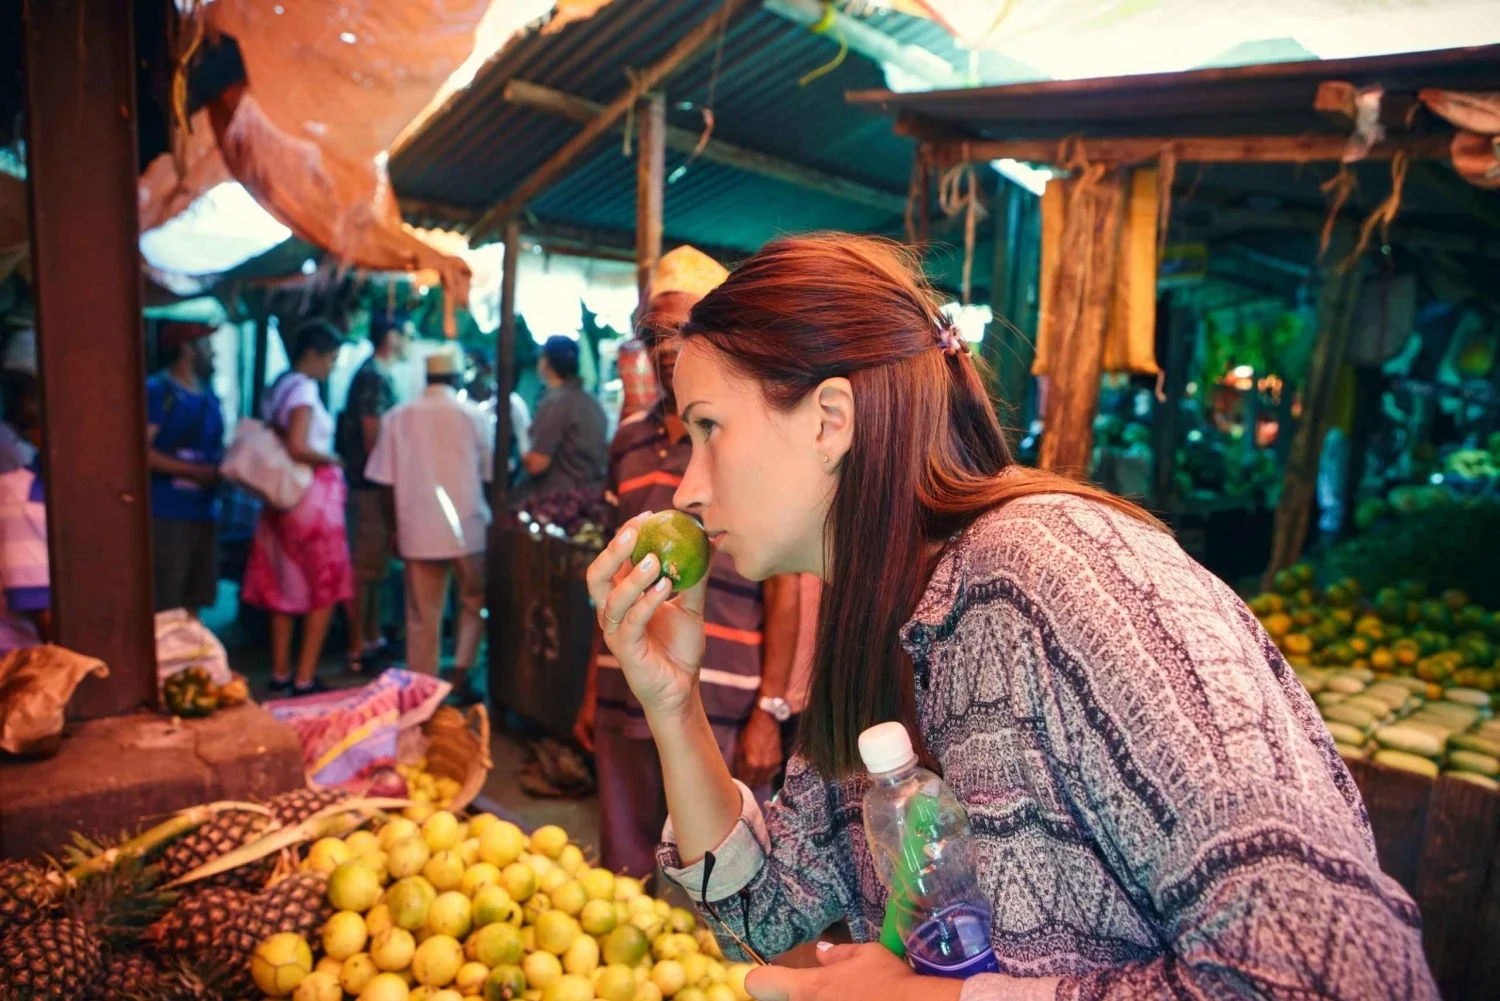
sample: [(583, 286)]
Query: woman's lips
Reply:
[(715, 538)]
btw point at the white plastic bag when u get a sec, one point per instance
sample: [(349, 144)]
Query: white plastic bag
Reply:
[(183, 642)]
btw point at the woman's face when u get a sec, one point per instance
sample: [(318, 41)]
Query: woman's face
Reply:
[(757, 478), (321, 366)]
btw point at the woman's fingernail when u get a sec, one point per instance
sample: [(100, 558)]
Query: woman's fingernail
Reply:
[(628, 535), (824, 946), (647, 566), (661, 585)]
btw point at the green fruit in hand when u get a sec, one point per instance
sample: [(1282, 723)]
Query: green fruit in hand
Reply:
[(680, 544)]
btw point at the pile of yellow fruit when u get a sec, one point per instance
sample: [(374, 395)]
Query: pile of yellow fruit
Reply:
[(1404, 679), (430, 792), (452, 909)]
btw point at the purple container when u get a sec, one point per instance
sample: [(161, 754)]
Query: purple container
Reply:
[(954, 942)]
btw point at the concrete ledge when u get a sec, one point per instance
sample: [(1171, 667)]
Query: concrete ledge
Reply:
[(127, 772)]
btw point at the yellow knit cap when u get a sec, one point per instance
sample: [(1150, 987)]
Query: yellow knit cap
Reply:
[(687, 270)]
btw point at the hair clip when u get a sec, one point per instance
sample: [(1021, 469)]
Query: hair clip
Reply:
[(949, 339)]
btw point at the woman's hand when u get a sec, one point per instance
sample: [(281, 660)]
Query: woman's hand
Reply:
[(850, 973), (657, 639)]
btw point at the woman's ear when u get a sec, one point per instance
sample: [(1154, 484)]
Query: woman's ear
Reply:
[(835, 410)]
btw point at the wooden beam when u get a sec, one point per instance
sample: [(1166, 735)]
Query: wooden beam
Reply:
[(81, 159), (1190, 149), (650, 187), (687, 47), (1233, 219), (682, 140)]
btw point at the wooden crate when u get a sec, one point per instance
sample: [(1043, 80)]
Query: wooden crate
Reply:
[(1441, 841)]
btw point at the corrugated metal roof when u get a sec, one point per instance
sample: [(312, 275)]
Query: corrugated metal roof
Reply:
[(1275, 98), (481, 147)]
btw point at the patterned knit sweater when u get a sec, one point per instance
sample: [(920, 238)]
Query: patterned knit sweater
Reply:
[(1157, 809)]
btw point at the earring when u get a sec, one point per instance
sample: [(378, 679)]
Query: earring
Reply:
[(825, 458)]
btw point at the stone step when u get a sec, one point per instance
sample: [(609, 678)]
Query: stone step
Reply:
[(128, 772)]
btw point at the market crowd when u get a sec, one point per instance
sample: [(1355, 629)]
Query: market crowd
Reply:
[(407, 483)]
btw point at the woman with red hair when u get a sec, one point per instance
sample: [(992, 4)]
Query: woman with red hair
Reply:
[(1157, 810)]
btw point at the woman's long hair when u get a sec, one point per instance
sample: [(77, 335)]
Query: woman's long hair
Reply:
[(926, 458)]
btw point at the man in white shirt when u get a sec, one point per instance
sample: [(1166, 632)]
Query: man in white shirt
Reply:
[(435, 453)]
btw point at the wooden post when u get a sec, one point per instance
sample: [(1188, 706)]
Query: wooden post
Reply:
[(1181, 333), (81, 149), (498, 557), (650, 188), (1335, 316)]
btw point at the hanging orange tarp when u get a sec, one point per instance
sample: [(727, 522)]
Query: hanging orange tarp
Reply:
[(329, 87)]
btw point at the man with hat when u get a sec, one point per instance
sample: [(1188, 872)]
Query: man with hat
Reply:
[(436, 453), (751, 629), (185, 438)]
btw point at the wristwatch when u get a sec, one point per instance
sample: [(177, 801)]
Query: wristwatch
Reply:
[(779, 709)]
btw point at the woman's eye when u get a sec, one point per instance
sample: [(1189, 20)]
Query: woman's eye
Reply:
[(704, 425)]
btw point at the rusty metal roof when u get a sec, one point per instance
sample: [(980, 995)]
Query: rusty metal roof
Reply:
[(480, 148)]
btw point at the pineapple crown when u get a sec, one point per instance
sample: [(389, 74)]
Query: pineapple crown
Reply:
[(119, 901)]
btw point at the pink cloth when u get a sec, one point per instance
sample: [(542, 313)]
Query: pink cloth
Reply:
[(299, 559)]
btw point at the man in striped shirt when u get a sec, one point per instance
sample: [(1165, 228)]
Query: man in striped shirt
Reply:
[(750, 628)]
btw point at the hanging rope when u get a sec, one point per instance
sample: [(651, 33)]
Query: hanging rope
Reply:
[(192, 20), (958, 192), (1384, 214), (1341, 186), (828, 22), (916, 192)]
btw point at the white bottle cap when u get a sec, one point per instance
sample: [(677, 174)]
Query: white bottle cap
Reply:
[(886, 747)]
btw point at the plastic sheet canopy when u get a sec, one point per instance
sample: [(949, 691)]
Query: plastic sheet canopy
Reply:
[(331, 86)]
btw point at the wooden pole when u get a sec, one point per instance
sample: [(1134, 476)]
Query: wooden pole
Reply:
[(1181, 323), (1335, 316), (682, 140), (499, 555), (650, 184), (687, 47), (1200, 149), (81, 152)]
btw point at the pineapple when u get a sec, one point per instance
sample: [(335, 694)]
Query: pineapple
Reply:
[(233, 829), (132, 978), (206, 928), (58, 960), (197, 924), (62, 956), (222, 834), (296, 806), (27, 894), (298, 903)]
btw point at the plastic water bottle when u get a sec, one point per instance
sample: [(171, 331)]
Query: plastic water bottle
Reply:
[(919, 838)]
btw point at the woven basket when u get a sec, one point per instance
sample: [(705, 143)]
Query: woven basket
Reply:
[(459, 748)]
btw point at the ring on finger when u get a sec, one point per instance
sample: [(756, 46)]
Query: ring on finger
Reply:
[(613, 622)]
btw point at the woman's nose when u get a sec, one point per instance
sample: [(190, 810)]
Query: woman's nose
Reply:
[(692, 493)]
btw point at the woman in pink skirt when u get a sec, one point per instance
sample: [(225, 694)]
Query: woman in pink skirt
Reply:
[(299, 561)]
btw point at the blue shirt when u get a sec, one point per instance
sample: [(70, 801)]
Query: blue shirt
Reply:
[(189, 427)]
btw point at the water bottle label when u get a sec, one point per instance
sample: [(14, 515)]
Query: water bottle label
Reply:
[(984, 962)]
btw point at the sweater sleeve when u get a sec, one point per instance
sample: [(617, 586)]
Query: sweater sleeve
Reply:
[(780, 878), (1191, 755)]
